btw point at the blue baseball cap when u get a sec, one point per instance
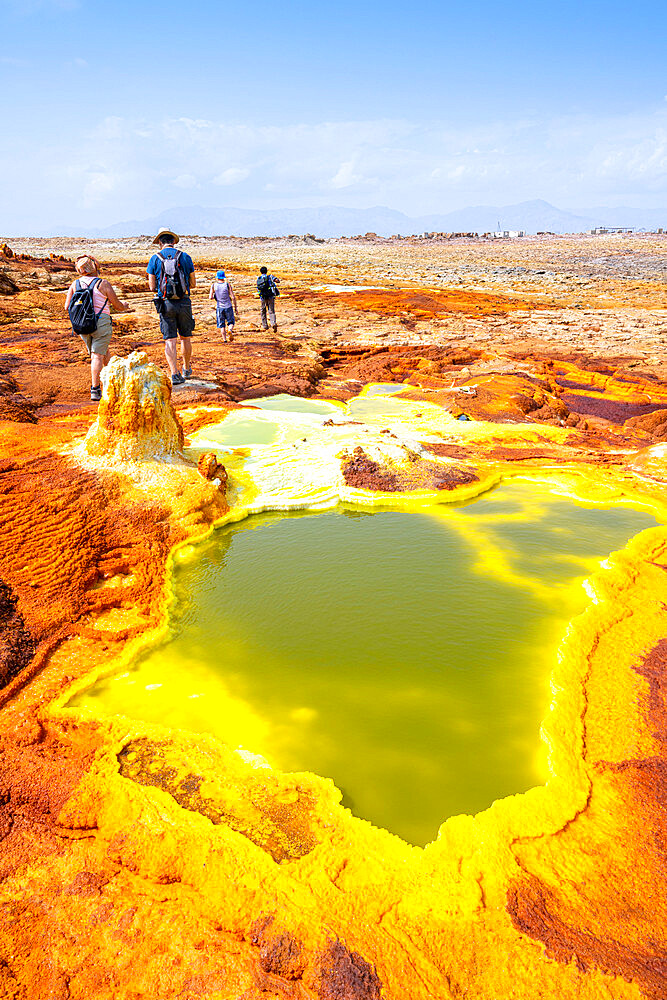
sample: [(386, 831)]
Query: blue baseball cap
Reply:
[(220, 274)]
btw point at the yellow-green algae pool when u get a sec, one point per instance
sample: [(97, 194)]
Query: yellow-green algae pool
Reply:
[(405, 654)]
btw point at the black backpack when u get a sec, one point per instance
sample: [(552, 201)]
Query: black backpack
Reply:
[(173, 282), (267, 287), (81, 308)]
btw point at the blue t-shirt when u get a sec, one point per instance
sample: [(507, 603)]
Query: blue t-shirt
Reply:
[(155, 264)]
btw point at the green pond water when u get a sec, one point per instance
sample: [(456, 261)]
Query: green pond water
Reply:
[(405, 655), (284, 403)]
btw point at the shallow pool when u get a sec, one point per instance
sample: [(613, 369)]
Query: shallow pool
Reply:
[(404, 655)]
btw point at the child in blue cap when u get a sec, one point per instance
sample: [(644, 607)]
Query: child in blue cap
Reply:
[(225, 304)]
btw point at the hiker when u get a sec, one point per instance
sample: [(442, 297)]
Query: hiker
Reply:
[(88, 300), (267, 286), (171, 275), (225, 304)]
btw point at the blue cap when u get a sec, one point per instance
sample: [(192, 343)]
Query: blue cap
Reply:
[(220, 274)]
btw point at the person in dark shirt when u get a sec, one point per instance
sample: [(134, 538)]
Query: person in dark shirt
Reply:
[(175, 311), (267, 288)]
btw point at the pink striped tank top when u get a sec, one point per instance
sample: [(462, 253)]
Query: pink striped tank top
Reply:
[(98, 297)]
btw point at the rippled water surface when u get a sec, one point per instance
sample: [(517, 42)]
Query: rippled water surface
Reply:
[(404, 655)]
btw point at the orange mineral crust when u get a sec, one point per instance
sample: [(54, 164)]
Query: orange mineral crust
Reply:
[(420, 302), (139, 861)]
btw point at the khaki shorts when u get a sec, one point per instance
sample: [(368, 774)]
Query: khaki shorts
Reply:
[(99, 341)]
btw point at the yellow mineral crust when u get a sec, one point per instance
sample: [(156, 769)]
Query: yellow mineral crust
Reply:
[(182, 867), (135, 419), (205, 845), (140, 861), (139, 437), (210, 868)]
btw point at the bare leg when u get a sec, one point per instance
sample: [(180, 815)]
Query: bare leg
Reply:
[(170, 355), (223, 331), (186, 350), (231, 332), (97, 363)]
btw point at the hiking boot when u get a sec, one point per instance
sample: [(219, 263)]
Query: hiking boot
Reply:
[(187, 373), (275, 328), (177, 379), (96, 393)]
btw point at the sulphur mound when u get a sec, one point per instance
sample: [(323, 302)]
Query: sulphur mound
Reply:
[(136, 419)]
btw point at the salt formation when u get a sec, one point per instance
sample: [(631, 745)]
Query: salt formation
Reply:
[(138, 433), (135, 419), (651, 461)]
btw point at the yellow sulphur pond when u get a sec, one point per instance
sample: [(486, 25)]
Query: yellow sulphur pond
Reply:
[(405, 655)]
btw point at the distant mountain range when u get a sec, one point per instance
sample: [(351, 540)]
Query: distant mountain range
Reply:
[(530, 216)]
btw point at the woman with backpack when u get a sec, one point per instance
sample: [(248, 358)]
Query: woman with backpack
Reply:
[(225, 304), (88, 300)]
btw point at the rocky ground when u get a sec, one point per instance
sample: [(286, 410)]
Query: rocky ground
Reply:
[(597, 302), (139, 862)]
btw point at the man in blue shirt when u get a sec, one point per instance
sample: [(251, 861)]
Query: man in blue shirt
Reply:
[(172, 284)]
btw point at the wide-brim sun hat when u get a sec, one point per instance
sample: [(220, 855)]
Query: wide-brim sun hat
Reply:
[(220, 274), (166, 232)]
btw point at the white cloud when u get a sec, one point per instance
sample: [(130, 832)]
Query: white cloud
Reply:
[(346, 177), (233, 175), (131, 168), (76, 64), (13, 62), (97, 186), (185, 181)]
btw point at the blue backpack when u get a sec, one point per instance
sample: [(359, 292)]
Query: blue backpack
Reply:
[(81, 308)]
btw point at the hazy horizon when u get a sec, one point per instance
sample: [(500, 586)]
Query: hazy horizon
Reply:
[(118, 114), (335, 221)]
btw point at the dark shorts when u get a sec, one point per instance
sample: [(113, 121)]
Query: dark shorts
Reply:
[(176, 318), (224, 315)]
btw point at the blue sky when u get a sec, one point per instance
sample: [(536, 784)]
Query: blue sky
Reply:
[(122, 110)]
